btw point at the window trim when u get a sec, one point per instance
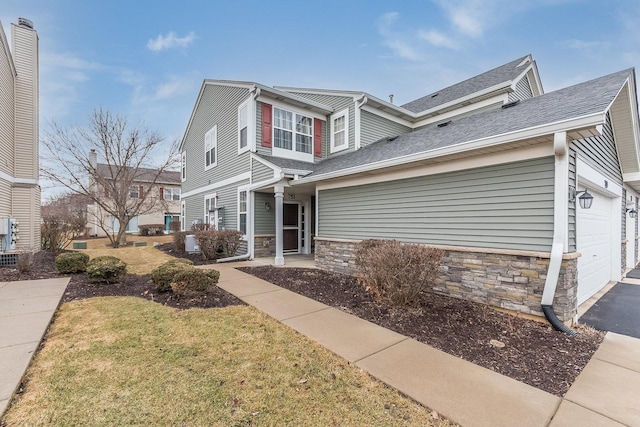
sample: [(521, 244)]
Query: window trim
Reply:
[(292, 153), (211, 141), (183, 166), (344, 113), (245, 105), (245, 212)]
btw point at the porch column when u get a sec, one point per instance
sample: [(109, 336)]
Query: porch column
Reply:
[(279, 195)]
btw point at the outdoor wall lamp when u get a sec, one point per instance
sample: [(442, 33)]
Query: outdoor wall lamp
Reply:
[(633, 213), (267, 206), (585, 199)]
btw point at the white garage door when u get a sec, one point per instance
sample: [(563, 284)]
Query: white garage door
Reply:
[(594, 242)]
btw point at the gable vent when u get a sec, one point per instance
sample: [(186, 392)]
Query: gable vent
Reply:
[(511, 104), (443, 124), (392, 138)]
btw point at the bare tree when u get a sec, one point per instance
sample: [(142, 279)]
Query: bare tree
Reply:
[(129, 159), (64, 218)]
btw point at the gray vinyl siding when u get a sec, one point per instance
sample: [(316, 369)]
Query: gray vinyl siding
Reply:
[(260, 172), (600, 152), (227, 198), (264, 220), (504, 206), (373, 128), (218, 106), (522, 90)]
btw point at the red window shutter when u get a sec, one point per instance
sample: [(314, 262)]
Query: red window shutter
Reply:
[(267, 117), (317, 137), (141, 194), (161, 193)]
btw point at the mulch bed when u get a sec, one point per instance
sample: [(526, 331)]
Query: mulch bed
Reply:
[(533, 352), (131, 285)]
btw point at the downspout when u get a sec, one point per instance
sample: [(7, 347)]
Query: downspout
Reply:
[(560, 213), (234, 258)]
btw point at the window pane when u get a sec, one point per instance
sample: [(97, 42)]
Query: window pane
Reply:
[(243, 223), (303, 143), (243, 137), (339, 139), (338, 124), (282, 119), (304, 124), (283, 139)]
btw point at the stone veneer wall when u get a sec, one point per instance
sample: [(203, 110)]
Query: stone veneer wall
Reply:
[(264, 245), (507, 279)]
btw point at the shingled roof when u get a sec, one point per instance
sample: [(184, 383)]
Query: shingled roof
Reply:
[(503, 74), (584, 99), (143, 174)]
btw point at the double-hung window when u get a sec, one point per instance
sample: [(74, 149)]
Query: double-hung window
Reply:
[(211, 148), (292, 132), (134, 192), (339, 131), (243, 127), (171, 193), (242, 211)]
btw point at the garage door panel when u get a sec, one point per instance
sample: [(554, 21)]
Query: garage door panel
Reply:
[(594, 237)]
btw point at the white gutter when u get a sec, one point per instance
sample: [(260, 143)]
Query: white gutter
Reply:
[(587, 121), (560, 227)]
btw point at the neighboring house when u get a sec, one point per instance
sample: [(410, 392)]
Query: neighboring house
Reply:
[(19, 136), (162, 205), (490, 169)]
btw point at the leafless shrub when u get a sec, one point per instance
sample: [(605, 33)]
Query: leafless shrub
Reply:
[(396, 272), (216, 244)]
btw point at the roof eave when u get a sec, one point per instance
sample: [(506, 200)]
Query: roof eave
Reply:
[(495, 89), (584, 122)]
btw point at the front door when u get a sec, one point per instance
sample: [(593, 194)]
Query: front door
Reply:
[(291, 228)]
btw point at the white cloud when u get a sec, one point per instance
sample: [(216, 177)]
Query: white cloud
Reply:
[(61, 79), (170, 41), (586, 45), (394, 40), (175, 86), (436, 38)]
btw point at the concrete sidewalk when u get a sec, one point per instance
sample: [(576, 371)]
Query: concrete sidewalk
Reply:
[(26, 309), (606, 393)]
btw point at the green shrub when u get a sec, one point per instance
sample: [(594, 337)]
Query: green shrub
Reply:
[(216, 244), (396, 272), (192, 281), (72, 262), (178, 240), (163, 275), (108, 269)]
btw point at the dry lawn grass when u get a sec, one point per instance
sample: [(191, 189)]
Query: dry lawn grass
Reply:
[(127, 361), (140, 259)]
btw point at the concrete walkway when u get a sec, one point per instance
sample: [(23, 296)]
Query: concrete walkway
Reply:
[(26, 309), (606, 393)]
